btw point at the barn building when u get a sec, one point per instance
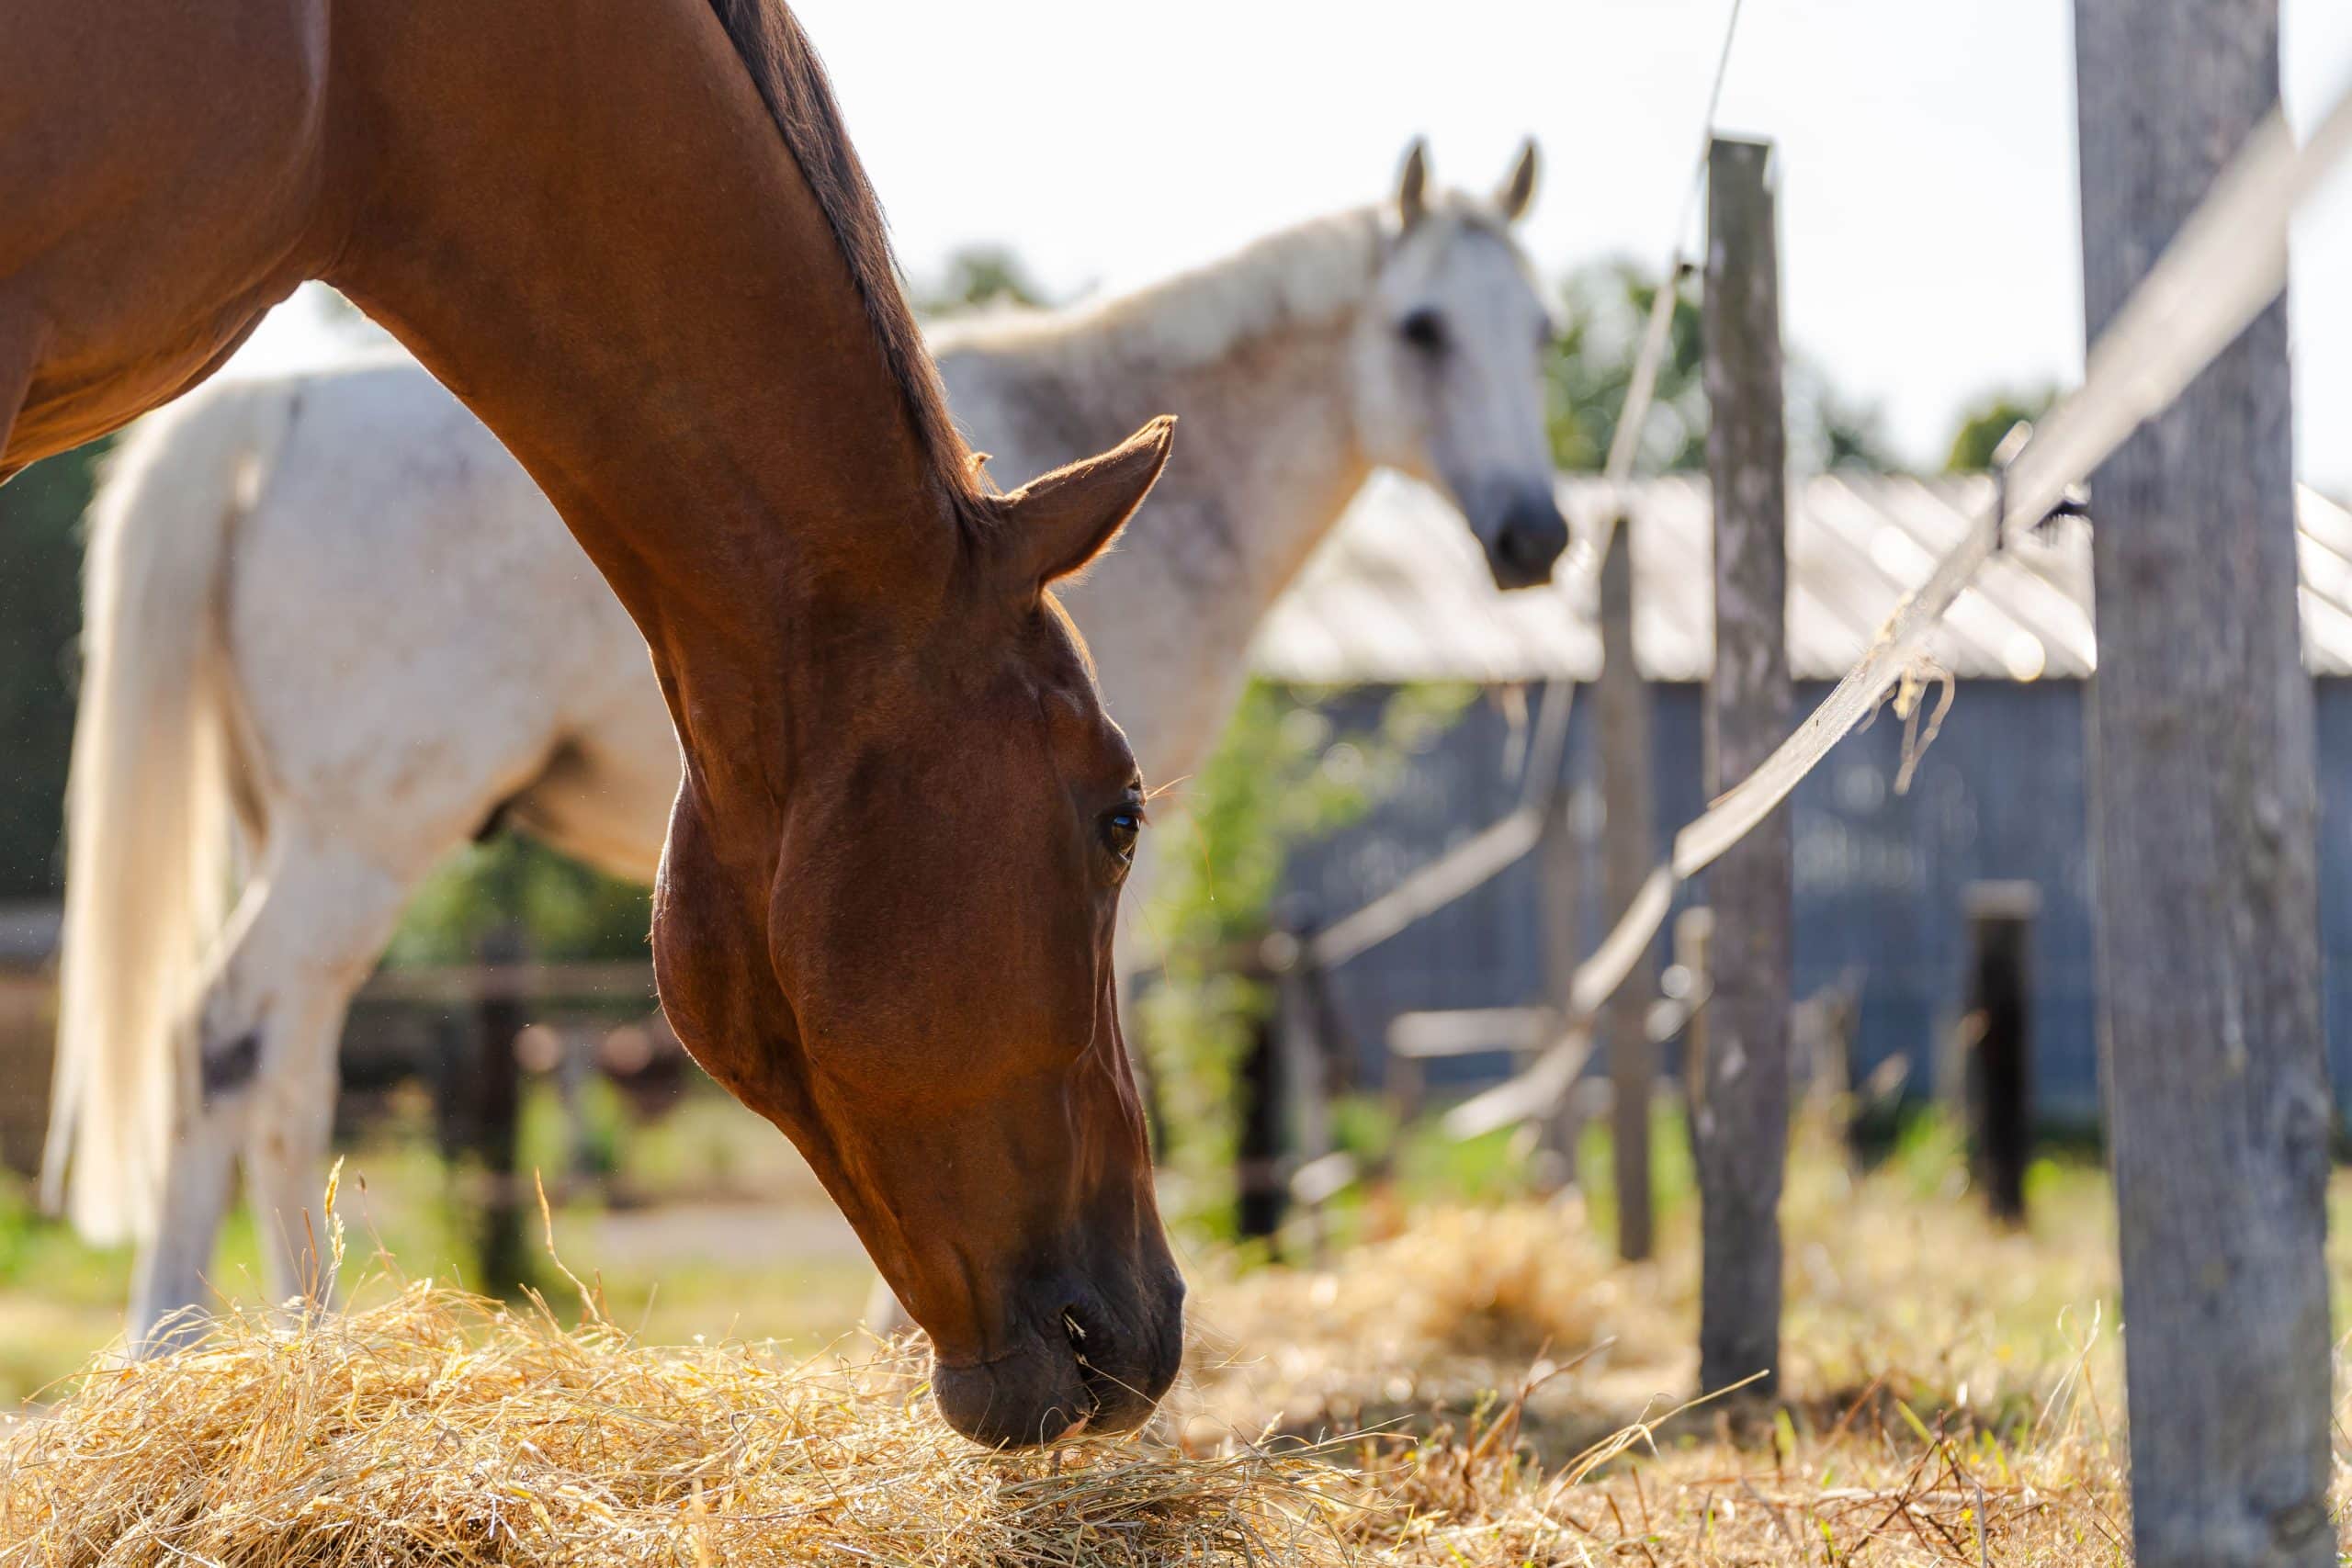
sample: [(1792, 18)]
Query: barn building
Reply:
[(1401, 594)]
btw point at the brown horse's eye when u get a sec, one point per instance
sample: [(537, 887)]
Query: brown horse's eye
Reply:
[(1122, 825), (1424, 329)]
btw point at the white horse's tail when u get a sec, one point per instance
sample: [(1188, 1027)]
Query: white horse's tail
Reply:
[(150, 815)]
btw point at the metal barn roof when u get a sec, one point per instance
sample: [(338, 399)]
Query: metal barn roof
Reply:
[(1401, 591)]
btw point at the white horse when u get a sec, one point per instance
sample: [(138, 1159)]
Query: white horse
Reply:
[(331, 621)]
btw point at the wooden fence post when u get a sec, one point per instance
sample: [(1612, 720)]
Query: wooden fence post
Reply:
[(1559, 869), (1740, 1120), (1305, 1068), (1693, 932), (1626, 793), (499, 1098), (1261, 1194), (1998, 1031), (2204, 840), (1261, 1171)]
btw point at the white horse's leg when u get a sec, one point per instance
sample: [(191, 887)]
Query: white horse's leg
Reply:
[(325, 923), (287, 1128), (304, 937), (167, 1284)]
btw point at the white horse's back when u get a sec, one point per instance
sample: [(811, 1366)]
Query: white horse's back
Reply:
[(418, 639)]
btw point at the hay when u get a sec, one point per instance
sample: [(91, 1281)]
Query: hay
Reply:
[(1891, 1281), (438, 1427)]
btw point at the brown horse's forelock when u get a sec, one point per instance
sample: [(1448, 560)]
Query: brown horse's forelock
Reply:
[(792, 82)]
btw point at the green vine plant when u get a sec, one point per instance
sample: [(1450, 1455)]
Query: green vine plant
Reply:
[(1287, 773)]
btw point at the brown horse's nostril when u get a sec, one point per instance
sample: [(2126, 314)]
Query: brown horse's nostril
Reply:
[(1091, 1365)]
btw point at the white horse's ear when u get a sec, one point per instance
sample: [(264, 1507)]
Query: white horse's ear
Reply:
[(1413, 184), (1058, 524), (1517, 193)]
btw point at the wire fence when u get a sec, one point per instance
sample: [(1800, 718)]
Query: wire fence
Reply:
[(2227, 264), (2228, 261)]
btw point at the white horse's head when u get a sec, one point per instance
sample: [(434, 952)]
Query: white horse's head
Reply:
[(1449, 364)]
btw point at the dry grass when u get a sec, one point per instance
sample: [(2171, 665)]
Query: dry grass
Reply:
[(436, 1427), (1897, 1287), (440, 1429)]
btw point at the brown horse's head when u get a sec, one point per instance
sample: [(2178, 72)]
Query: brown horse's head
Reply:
[(931, 1015)]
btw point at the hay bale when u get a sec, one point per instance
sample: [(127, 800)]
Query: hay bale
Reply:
[(439, 1427)]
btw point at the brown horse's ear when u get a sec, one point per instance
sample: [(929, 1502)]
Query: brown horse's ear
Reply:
[(1413, 184), (1517, 192), (1058, 524)]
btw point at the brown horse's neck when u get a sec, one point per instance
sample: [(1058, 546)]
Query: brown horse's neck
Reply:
[(614, 258)]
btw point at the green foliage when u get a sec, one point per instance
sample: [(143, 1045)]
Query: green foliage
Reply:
[(567, 911), (1608, 309), (1674, 1175), (1986, 421), (1830, 430), (1285, 775), (41, 618), (976, 275)]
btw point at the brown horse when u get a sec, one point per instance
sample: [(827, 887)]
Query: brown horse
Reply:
[(632, 235)]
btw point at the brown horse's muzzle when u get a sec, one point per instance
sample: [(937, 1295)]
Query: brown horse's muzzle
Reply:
[(1085, 1359)]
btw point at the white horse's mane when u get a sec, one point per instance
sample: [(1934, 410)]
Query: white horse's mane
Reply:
[(1303, 276)]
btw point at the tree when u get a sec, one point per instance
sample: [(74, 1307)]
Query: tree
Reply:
[(40, 620), (1608, 309), (1283, 774), (1608, 306), (979, 275), (565, 909), (1991, 417)]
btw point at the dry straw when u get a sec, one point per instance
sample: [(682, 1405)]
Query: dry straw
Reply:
[(441, 1428), (436, 1427)]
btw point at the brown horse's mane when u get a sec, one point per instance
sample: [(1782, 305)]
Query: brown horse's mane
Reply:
[(792, 82)]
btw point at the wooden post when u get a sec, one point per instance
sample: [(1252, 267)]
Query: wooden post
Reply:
[(1999, 1032), (499, 1101), (1262, 1161), (1261, 1194), (1559, 866), (1741, 1115), (1693, 932), (1625, 794), (2204, 846), (1304, 1066)]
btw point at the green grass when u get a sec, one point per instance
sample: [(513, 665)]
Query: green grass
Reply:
[(62, 1300), (721, 1232)]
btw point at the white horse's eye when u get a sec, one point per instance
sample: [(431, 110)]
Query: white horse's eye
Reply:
[(1424, 329)]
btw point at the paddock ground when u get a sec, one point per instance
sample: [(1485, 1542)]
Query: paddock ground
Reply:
[(1943, 1375)]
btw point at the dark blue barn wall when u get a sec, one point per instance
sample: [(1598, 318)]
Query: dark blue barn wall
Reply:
[(1880, 877)]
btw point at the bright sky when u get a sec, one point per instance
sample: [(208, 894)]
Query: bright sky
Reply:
[(1930, 240)]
